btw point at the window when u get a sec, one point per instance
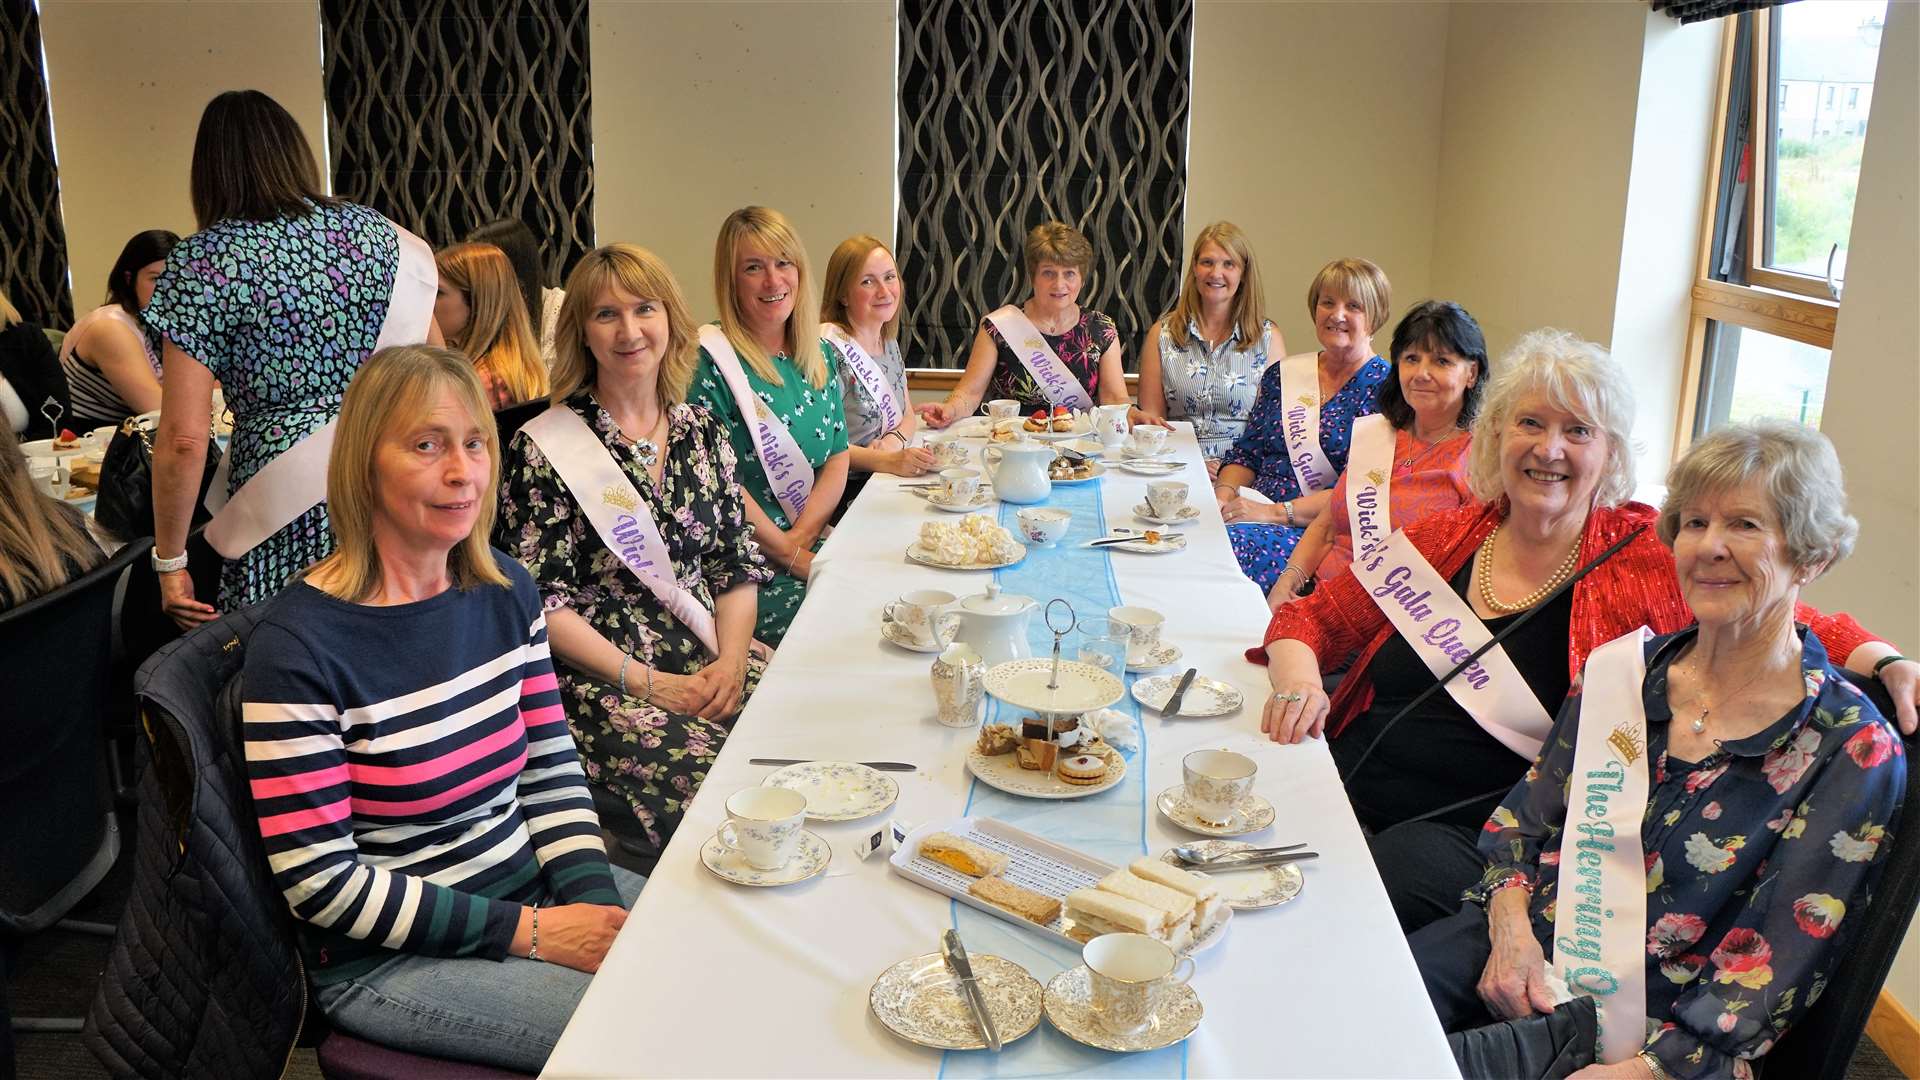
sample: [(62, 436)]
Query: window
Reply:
[(1853, 97)]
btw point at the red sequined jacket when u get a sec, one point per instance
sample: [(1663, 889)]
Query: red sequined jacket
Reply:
[(1637, 586)]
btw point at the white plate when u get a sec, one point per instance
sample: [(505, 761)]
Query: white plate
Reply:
[(1082, 426), (837, 790), (1088, 447), (923, 556), (1003, 771), (43, 448), (1245, 890), (1069, 1007), (892, 633), (1096, 473), (938, 501), (921, 1001), (1187, 513), (1206, 697), (1165, 654), (1168, 543), (1026, 684), (970, 427), (810, 857), (1250, 815), (1151, 468)]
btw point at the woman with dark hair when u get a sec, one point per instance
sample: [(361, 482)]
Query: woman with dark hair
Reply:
[(32, 389), (512, 236), (111, 357), (1417, 442), (281, 296)]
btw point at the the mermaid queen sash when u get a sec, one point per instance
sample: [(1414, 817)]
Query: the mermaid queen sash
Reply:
[(868, 372), (1443, 630), (1300, 422), (616, 511), (788, 472), (296, 481), (1600, 922), (1048, 370)]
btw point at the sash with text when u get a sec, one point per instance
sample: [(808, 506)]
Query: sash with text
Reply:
[(1041, 362), (787, 469)]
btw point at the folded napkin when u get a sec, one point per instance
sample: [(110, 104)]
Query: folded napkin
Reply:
[(1253, 495), (1117, 728)]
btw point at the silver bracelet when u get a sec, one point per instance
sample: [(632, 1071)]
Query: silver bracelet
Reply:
[(624, 660), (533, 942)]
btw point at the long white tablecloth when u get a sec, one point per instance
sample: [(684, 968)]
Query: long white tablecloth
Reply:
[(713, 979)]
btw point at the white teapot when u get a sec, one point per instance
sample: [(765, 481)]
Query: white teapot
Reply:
[(995, 624), (1020, 474)]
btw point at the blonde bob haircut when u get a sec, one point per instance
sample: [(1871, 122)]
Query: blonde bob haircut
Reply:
[(770, 232), (1248, 311), (396, 387), (1575, 375), (1059, 243), (843, 270), (1796, 467), (8, 313), (1355, 279), (498, 337), (640, 274)]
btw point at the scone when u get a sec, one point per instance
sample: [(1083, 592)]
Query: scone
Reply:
[(1082, 770), (1005, 895), (997, 739), (963, 855), (1063, 419), (1038, 421)]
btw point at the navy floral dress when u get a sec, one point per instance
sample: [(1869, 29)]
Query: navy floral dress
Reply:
[(652, 760), (1080, 349), (1263, 549), (1760, 859), (283, 313)]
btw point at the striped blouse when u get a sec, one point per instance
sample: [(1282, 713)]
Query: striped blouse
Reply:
[(413, 775), (95, 402)]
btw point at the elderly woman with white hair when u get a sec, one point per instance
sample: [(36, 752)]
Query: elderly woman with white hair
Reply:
[(1466, 628), (1738, 757)]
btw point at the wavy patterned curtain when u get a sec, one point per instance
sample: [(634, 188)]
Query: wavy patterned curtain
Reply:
[(33, 239), (445, 114), (1015, 114), (1692, 11)]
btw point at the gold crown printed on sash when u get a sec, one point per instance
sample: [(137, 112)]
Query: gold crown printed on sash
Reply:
[(1378, 476), (1627, 744), (1035, 343), (1309, 400), (760, 409), (617, 496)]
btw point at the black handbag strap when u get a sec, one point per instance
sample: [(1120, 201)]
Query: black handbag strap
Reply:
[(1504, 633)]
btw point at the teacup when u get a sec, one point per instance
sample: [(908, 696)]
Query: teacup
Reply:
[(1166, 497), (1003, 408), (1130, 976), (764, 825), (1216, 782), (1147, 440), (918, 613), (959, 485), (947, 452), (1044, 525), (1143, 630)]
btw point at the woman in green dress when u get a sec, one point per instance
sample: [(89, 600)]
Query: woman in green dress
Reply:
[(766, 355)]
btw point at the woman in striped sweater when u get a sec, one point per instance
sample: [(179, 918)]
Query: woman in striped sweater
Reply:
[(422, 805)]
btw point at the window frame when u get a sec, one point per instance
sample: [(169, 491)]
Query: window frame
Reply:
[(1766, 58)]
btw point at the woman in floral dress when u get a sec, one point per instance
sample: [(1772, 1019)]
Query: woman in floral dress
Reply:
[(1771, 785), (648, 706), (770, 320)]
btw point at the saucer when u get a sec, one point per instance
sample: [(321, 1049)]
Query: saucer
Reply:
[(838, 790), (810, 857), (1069, 1007), (920, 1001), (1088, 447), (1151, 466), (1205, 697), (1186, 513), (940, 502), (893, 634), (1253, 814), (1163, 655), (1245, 890)]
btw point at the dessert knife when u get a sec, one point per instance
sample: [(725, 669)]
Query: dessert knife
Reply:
[(1219, 866), (956, 956), (1172, 707), (882, 766)]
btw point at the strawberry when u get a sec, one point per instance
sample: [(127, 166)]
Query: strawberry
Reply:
[(1040, 415), (1062, 411), (67, 435)]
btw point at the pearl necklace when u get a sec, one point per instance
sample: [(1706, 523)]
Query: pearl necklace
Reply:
[(1484, 561)]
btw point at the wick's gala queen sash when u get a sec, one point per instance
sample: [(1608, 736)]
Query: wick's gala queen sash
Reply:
[(787, 469), (1443, 631), (1600, 919), (296, 481), (1370, 483), (614, 508), (871, 376), (1048, 370), (1300, 419)]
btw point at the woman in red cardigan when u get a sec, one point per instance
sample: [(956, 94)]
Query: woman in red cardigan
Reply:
[(1552, 459)]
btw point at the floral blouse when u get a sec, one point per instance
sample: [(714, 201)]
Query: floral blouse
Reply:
[(696, 506), (865, 422), (1263, 447), (1757, 856), (1080, 349), (1214, 388)]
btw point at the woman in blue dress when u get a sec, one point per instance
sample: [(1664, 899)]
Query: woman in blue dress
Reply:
[(1347, 301)]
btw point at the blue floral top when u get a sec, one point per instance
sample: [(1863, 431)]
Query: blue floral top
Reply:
[(1213, 387), (1263, 448), (1755, 856)]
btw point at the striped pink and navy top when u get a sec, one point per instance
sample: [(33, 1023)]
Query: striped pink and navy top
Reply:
[(413, 775)]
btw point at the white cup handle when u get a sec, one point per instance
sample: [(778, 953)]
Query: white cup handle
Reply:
[(886, 612), (1177, 976), (728, 838)]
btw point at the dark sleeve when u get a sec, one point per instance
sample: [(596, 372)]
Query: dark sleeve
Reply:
[(29, 362)]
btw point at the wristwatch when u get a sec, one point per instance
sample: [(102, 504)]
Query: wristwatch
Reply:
[(167, 565)]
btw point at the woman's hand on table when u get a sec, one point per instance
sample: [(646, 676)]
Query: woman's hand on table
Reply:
[(1237, 510), (714, 692), (1135, 418), (1514, 982), (573, 935), (911, 461), (1295, 711), (936, 414), (1213, 468), (177, 600), (1902, 680)]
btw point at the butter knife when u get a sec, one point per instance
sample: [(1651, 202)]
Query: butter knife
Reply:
[(1220, 866), (955, 955), (1172, 707), (882, 766)]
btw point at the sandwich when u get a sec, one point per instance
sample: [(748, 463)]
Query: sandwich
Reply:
[(1096, 911), (1005, 895), (971, 859), (1209, 906), (1177, 906)]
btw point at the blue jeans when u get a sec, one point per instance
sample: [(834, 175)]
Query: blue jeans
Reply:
[(506, 1014)]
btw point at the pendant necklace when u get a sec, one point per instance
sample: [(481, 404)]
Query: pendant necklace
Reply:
[(1700, 722)]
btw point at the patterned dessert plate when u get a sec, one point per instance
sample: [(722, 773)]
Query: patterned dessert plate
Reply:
[(1003, 771), (1250, 815), (1206, 697), (1250, 889), (810, 857), (1185, 514), (1069, 1007), (838, 790), (920, 1001)]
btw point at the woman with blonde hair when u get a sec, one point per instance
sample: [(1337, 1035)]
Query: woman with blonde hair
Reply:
[(43, 542), (424, 809), (860, 307), (480, 311), (624, 502), (769, 378), (1203, 360)]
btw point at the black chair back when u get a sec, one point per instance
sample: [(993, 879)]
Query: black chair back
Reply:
[(57, 654), (1821, 1045)]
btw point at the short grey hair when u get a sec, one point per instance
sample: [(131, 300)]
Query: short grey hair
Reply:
[(1797, 468), (1576, 375)]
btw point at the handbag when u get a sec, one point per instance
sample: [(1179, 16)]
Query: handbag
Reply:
[(1544, 1046), (125, 506)]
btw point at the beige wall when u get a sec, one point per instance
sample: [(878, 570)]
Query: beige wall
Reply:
[(1316, 127), (702, 108), (129, 80)]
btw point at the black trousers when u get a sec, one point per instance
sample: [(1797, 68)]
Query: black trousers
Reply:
[(1425, 866), (1451, 954)]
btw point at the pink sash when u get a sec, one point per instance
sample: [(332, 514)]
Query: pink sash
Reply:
[(1370, 483), (1300, 412), (868, 372), (1048, 370), (787, 469)]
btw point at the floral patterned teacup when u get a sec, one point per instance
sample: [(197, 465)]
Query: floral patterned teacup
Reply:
[(764, 825), (1143, 630), (1044, 525), (1216, 782), (1129, 976)]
